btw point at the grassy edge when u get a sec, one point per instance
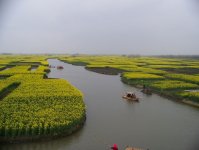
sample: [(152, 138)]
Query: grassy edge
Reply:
[(163, 94), (22, 139)]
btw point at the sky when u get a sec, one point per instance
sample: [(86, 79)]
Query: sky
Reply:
[(141, 27)]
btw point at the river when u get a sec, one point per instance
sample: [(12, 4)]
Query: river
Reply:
[(155, 123)]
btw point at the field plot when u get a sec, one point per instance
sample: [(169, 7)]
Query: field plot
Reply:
[(173, 85), (193, 95), (33, 107), (184, 77), (167, 76)]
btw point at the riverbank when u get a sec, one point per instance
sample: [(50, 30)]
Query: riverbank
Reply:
[(164, 94), (115, 71), (24, 139), (105, 70), (102, 70)]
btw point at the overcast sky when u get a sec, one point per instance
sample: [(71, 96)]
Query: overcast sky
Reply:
[(100, 26)]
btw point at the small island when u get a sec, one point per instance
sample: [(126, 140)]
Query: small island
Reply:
[(33, 107)]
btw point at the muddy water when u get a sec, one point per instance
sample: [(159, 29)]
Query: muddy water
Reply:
[(155, 123)]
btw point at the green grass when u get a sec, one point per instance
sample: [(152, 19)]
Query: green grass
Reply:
[(141, 76), (193, 96), (184, 77), (173, 85)]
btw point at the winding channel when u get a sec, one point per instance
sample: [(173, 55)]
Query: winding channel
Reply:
[(155, 123)]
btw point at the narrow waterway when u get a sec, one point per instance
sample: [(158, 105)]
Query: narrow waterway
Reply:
[(155, 123)]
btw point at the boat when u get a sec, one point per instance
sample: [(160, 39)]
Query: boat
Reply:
[(133, 148), (146, 90), (115, 147), (131, 97), (60, 67), (51, 66)]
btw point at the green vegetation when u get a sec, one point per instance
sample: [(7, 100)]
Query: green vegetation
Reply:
[(193, 95), (6, 87), (33, 107), (141, 76), (173, 85), (16, 70), (184, 77), (41, 108)]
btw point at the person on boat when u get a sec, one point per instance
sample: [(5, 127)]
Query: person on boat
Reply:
[(128, 95), (114, 147), (145, 89), (133, 95)]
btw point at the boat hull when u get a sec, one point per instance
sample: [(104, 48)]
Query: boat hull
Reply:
[(131, 99)]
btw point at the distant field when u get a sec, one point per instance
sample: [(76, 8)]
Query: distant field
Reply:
[(168, 76), (32, 106)]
